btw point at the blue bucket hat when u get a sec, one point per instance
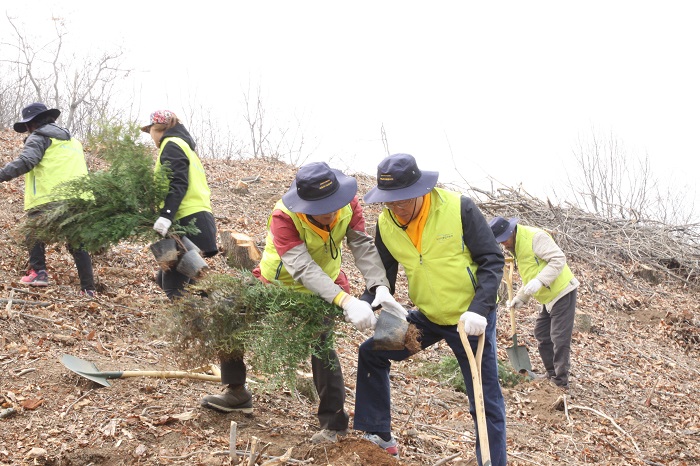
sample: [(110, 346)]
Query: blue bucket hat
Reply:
[(32, 111), (502, 228), (318, 189), (399, 178)]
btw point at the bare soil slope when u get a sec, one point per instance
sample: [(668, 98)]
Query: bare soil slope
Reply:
[(634, 361)]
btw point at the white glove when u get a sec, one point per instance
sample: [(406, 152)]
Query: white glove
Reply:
[(162, 225), (359, 313), (532, 287), (516, 302), (384, 298), (474, 324)]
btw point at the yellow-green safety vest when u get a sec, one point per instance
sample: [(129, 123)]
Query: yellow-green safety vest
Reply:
[(198, 196), (442, 279), (62, 161), (325, 254), (529, 265)]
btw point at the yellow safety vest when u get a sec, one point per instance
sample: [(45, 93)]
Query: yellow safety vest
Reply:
[(198, 196), (62, 161), (271, 266), (442, 280), (529, 265)]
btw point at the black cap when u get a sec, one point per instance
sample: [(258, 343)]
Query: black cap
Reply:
[(32, 111)]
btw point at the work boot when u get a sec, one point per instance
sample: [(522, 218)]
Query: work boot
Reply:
[(391, 446), (328, 436), (234, 398), (34, 278)]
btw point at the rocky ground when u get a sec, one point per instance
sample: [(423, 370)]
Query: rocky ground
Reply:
[(635, 367)]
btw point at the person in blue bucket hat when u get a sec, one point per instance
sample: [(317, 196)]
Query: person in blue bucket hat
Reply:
[(548, 280), (454, 267), (51, 156), (303, 251)]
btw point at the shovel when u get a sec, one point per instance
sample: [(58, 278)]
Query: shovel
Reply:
[(517, 354), (89, 371), (475, 369)]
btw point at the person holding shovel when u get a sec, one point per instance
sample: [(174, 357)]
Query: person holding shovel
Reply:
[(303, 251), (454, 268), (50, 156), (549, 280), (188, 199)]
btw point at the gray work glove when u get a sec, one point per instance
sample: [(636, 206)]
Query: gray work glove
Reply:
[(384, 298), (162, 225), (359, 313), (474, 324)]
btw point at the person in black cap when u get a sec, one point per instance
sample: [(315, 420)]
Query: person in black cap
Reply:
[(454, 268), (547, 278), (303, 251), (189, 198), (50, 157)]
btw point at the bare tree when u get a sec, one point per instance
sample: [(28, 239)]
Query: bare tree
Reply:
[(255, 119), (83, 88), (214, 138), (273, 140), (612, 183)]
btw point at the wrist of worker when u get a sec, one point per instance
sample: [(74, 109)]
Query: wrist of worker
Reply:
[(341, 299)]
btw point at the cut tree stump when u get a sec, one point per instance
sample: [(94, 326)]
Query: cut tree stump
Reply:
[(240, 250)]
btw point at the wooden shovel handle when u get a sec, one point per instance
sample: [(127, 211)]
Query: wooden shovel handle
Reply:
[(509, 283), (475, 366), (171, 375)]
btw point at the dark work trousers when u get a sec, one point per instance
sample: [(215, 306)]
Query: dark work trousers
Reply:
[(83, 262), (328, 379), (373, 398), (173, 282), (553, 331)]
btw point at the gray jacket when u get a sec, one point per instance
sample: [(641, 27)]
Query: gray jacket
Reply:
[(35, 146)]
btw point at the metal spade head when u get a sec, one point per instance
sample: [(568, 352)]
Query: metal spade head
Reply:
[(88, 370), (519, 357)]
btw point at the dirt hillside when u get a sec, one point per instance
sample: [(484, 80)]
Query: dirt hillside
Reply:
[(635, 367)]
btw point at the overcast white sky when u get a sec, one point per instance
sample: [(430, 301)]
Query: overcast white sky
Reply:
[(505, 89)]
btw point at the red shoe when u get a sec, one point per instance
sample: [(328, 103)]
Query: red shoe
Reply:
[(40, 278), (391, 446)]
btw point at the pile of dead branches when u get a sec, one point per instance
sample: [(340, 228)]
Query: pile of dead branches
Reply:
[(650, 249)]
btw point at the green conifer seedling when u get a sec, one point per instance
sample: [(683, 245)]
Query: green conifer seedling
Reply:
[(228, 315), (107, 206)]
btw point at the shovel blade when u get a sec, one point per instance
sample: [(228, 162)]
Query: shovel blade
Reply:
[(85, 369), (519, 358)]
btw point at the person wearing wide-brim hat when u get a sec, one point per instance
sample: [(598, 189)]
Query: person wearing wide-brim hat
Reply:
[(548, 279), (303, 252), (454, 268), (188, 200), (50, 157)]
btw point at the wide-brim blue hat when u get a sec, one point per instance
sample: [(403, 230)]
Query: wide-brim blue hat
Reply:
[(32, 111), (318, 189), (399, 178), (502, 228)]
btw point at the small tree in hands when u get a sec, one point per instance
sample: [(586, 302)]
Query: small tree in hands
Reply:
[(228, 315), (102, 208)]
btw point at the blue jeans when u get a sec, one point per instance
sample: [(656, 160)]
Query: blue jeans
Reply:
[(373, 398)]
